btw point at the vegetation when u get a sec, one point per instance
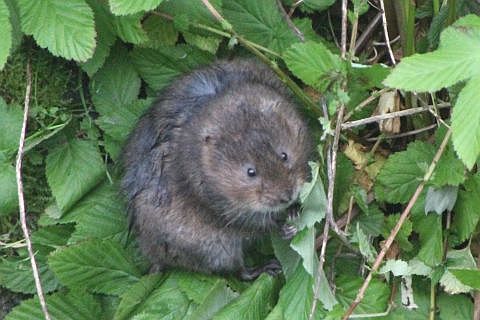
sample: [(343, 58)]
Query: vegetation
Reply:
[(389, 222)]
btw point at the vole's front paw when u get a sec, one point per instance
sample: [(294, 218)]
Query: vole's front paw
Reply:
[(272, 267)]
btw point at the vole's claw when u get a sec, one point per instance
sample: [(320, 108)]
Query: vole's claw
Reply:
[(272, 267), (288, 231)]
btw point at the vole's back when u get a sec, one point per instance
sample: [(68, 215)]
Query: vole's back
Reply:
[(188, 165)]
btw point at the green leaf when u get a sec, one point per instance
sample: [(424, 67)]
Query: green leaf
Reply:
[(122, 7), (11, 118), (469, 277), (459, 307), (150, 301), (396, 267), (53, 236), (160, 32), (402, 173), (318, 5), (100, 266), (8, 189), (296, 296), (132, 298), (105, 28), (159, 67), (260, 22), (72, 169), (313, 63), (457, 259), (372, 223), (466, 210), (375, 299), (313, 199), (366, 249), (101, 214), (288, 258), (16, 275), (439, 200), (206, 43), (466, 123), (191, 11), (66, 28), (74, 305), (403, 233), (129, 28), (457, 59), (254, 303), (6, 27), (450, 170), (116, 84), (304, 244), (429, 227)]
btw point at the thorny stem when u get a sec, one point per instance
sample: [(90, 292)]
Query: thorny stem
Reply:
[(21, 200), (401, 220)]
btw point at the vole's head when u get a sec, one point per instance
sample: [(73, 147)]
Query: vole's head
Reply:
[(253, 158)]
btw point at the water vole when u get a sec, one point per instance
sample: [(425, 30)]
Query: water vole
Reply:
[(213, 163)]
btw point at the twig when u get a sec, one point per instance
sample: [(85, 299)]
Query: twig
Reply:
[(368, 30), (365, 103), (404, 134), (390, 115), (217, 15), (292, 26), (401, 220), (385, 31), (21, 200), (343, 40), (294, 6)]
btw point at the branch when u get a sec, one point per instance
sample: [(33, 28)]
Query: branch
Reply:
[(21, 200), (343, 40), (385, 31), (397, 227)]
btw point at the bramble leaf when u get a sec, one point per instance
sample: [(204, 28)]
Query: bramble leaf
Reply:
[(66, 28), (8, 189), (99, 266), (466, 209), (123, 7), (73, 168), (6, 27), (457, 59)]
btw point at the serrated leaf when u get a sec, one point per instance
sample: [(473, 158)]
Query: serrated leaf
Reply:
[(372, 223), (16, 275), (304, 244), (132, 298), (313, 199), (101, 214), (206, 43), (403, 172), (66, 28), (160, 32), (449, 171), (288, 258), (439, 200), (403, 233), (53, 236), (296, 296), (466, 210), (469, 277), (375, 299), (466, 123), (457, 59), (75, 305), (6, 27), (429, 228), (123, 7), (254, 303), (8, 189), (366, 249), (191, 11), (129, 28), (100, 266), (259, 21), (459, 307), (313, 63), (452, 285), (116, 84), (164, 302), (396, 267), (104, 23), (72, 169), (11, 118), (159, 67)]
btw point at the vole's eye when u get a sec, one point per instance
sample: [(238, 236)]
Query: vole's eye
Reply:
[(251, 172), (284, 156)]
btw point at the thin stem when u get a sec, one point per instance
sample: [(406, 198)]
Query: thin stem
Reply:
[(385, 31), (365, 103), (432, 301), (397, 227), (436, 7), (343, 40), (21, 200)]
